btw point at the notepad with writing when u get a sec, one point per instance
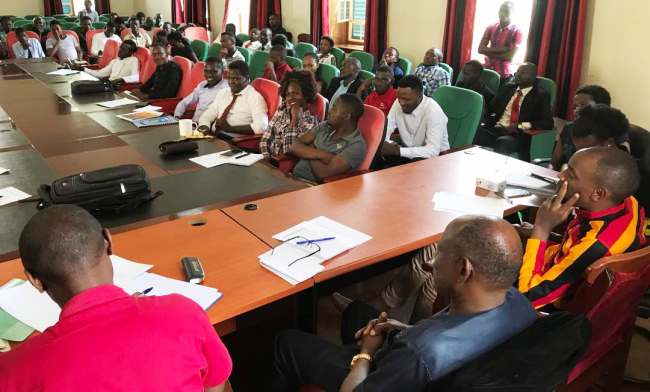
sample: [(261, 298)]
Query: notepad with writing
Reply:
[(204, 296)]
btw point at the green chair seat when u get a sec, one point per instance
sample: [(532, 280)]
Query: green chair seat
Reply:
[(214, 50), (99, 25), (243, 37), (491, 78), (247, 54), (258, 64), (406, 65), (449, 69), (294, 62), (367, 59), (200, 48), (365, 75), (463, 109), (340, 56), (303, 47), (326, 73)]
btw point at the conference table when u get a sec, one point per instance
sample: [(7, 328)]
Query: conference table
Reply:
[(204, 212)]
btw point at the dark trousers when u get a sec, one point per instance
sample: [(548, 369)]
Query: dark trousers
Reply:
[(302, 358), (504, 143)]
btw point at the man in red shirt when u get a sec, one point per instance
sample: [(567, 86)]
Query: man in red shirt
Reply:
[(106, 339), (503, 39), (277, 65), (384, 94)]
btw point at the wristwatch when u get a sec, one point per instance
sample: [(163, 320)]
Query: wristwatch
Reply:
[(357, 357)]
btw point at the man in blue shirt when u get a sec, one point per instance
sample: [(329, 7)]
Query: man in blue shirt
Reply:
[(478, 260), (431, 73)]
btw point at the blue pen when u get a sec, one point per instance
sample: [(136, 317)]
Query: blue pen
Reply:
[(147, 291), (317, 240)]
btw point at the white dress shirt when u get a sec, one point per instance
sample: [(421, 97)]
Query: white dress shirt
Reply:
[(127, 69), (249, 109), (505, 118), (423, 131), (99, 40), (67, 48), (253, 45), (236, 56), (202, 96), (33, 46)]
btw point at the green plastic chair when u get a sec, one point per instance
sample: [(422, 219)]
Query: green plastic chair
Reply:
[(99, 25), (491, 78), (214, 50), (21, 23), (340, 56), (246, 53), (327, 72), (104, 18), (294, 62), (30, 17), (550, 87), (367, 59), (406, 65), (258, 64), (304, 47), (243, 37), (542, 144), (449, 69), (48, 19), (69, 25), (365, 75), (200, 48), (463, 108), (72, 19)]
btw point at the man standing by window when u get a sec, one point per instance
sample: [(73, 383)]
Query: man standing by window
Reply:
[(500, 42), (89, 11)]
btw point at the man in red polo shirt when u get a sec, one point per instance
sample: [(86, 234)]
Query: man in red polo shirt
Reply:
[(384, 94), (277, 65), (105, 339), (500, 42)]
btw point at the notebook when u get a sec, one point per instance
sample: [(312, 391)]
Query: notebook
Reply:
[(154, 122), (10, 327)]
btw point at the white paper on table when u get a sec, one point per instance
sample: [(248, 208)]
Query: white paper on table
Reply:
[(148, 108), (117, 103), (469, 204), (526, 181), (217, 158), (278, 260), (247, 160), (11, 194), (39, 311), (204, 296), (63, 72), (3, 170), (209, 160)]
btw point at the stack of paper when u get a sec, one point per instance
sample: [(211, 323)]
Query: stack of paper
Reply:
[(10, 327), (63, 72), (116, 103), (11, 194), (38, 311), (218, 158), (528, 182), (469, 204), (296, 263)]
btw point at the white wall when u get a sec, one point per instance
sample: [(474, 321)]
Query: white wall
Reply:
[(21, 8)]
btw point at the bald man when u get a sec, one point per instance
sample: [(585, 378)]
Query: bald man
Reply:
[(520, 109), (596, 192), (105, 339), (478, 260), (431, 73)]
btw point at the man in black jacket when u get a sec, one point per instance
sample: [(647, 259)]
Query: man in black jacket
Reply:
[(348, 81), (165, 81), (518, 110)]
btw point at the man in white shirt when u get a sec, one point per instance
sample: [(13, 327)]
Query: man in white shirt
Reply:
[(136, 35), (265, 39), (27, 47), (237, 109), (229, 52), (89, 11), (124, 69), (420, 122), (254, 42), (61, 46), (99, 40), (205, 93)]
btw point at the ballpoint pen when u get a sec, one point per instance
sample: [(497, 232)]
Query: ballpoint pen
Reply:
[(316, 240)]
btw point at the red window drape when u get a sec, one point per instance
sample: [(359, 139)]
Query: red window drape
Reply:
[(320, 20), (195, 11), (376, 33), (177, 12), (103, 6), (459, 29), (556, 43), (225, 15), (52, 7)]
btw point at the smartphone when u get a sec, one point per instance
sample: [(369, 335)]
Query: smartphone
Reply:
[(232, 153)]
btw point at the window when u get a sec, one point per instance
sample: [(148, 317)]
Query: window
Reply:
[(357, 27), (239, 14), (348, 23), (487, 13), (68, 7)]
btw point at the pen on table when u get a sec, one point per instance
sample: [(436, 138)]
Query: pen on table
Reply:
[(544, 178), (316, 240), (521, 218), (147, 291), (242, 155)]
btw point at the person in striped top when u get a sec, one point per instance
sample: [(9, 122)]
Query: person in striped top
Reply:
[(596, 190)]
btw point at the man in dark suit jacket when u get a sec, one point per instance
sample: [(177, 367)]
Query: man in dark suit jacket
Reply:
[(348, 81), (519, 109)]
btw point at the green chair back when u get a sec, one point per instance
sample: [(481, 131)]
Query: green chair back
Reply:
[(21, 23), (105, 18), (69, 25), (247, 54), (243, 37), (72, 19), (491, 78), (406, 65), (304, 47), (550, 87), (367, 59), (99, 25), (340, 56), (542, 144), (30, 17), (327, 72), (48, 19), (214, 49), (200, 48), (449, 69), (294, 62), (258, 63), (463, 108), (365, 75)]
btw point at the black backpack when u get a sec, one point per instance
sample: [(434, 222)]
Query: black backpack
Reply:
[(82, 87), (114, 189)]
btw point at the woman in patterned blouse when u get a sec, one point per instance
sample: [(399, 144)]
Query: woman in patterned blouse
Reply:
[(293, 117)]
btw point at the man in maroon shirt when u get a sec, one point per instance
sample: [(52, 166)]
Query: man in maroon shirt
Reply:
[(277, 65), (500, 42), (383, 93), (106, 339)]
